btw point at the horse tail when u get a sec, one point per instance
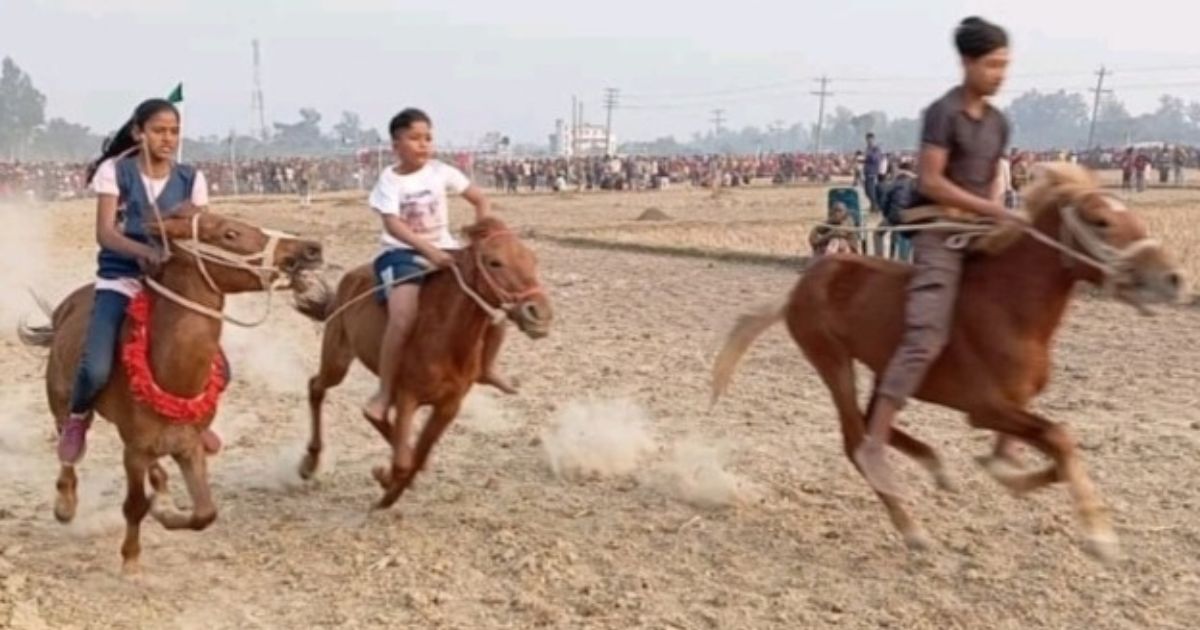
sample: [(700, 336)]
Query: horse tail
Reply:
[(37, 336), (748, 328)]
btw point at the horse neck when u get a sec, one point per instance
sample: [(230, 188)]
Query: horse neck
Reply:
[(460, 322), (1029, 281), (183, 343)]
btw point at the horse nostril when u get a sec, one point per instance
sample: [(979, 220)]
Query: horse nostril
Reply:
[(530, 312)]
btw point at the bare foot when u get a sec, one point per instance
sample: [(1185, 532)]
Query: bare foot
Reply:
[(872, 461), (499, 382)]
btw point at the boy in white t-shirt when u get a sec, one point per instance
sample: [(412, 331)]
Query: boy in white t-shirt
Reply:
[(410, 197)]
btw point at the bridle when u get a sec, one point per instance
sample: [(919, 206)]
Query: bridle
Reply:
[(508, 300)]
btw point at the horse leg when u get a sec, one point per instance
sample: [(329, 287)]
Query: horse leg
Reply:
[(492, 342), (917, 450), (836, 369), (443, 415), (336, 357), (1056, 442), (135, 507), (194, 466), (393, 480)]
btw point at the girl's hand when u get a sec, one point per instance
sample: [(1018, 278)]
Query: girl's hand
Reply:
[(151, 260)]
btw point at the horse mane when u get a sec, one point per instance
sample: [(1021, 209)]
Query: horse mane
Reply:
[(1056, 184)]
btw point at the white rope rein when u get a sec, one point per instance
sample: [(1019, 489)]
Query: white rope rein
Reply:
[(495, 314), (1109, 260)]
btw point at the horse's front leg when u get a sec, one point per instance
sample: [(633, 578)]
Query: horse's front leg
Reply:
[(402, 452), (135, 508)]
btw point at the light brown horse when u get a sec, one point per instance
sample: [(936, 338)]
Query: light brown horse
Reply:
[(183, 345), (446, 351), (846, 309)]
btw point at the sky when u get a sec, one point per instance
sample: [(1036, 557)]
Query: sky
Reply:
[(512, 66)]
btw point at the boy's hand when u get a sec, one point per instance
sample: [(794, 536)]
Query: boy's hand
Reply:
[(440, 259)]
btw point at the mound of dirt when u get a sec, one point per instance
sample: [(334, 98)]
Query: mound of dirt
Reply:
[(654, 214)]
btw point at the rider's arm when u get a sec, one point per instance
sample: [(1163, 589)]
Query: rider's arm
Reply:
[(936, 186), (109, 237), (483, 206)]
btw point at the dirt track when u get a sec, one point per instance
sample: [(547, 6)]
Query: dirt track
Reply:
[(490, 538)]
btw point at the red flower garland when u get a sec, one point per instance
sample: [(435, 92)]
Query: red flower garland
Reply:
[(136, 355)]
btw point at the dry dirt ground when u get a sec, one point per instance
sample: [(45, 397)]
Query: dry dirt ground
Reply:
[(666, 514)]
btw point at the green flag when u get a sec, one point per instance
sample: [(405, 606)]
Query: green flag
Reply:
[(176, 94)]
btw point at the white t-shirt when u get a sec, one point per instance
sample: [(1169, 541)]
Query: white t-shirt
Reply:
[(420, 200), (105, 183)]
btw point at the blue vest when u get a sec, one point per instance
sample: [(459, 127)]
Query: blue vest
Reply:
[(134, 209)]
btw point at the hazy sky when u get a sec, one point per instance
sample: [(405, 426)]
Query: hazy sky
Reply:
[(512, 66)]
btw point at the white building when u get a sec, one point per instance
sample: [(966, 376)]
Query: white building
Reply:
[(587, 140)]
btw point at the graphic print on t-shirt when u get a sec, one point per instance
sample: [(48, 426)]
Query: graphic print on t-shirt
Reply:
[(419, 210)]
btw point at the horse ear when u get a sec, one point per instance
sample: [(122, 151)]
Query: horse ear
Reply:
[(484, 228)]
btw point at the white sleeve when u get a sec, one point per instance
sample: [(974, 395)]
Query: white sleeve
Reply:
[(104, 182), (200, 190), (384, 199), (456, 182)]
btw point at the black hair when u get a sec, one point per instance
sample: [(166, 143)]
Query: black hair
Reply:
[(123, 140), (976, 37), (406, 119)]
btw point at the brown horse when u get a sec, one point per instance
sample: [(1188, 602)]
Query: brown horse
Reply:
[(848, 308), (184, 327), (447, 348)]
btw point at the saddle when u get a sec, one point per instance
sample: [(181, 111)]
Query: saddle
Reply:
[(999, 238)]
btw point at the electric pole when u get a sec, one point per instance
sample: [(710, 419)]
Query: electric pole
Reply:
[(256, 97), (718, 120), (574, 127), (1099, 91), (611, 96), (823, 93)]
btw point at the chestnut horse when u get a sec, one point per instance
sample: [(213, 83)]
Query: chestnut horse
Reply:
[(849, 308), (495, 276), (212, 256)]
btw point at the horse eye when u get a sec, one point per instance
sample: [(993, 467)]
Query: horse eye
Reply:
[(231, 235), (495, 264), (1101, 223)]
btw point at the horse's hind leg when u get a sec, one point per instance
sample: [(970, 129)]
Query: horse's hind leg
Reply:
[(836, 368), (336, 357), (1056, 442), (918, 451), (135, 507), (395, 479)]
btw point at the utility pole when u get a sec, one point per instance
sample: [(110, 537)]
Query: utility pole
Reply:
[(823, 93), (718, 120), (574, 127), (256, 97), (1099, 91), (611, 96), (233, 161)]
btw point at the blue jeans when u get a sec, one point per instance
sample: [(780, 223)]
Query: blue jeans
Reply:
[(871, 188), (100, 350)]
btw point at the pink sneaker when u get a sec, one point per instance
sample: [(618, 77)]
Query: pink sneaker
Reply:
[(72, 442)]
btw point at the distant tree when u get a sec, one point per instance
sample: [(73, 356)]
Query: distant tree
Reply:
[(62, 140), (1045, 121), (22, 109)]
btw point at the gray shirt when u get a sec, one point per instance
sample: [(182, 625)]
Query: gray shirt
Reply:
[(975, 146)]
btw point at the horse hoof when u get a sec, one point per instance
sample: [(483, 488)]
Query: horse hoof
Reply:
[(1104, 547), (132, 569), (918, 541), (1003, 471), (64, 510), (308, 467)]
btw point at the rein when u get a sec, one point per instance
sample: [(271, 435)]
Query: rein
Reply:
[(1111, 261), (497, 314)]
